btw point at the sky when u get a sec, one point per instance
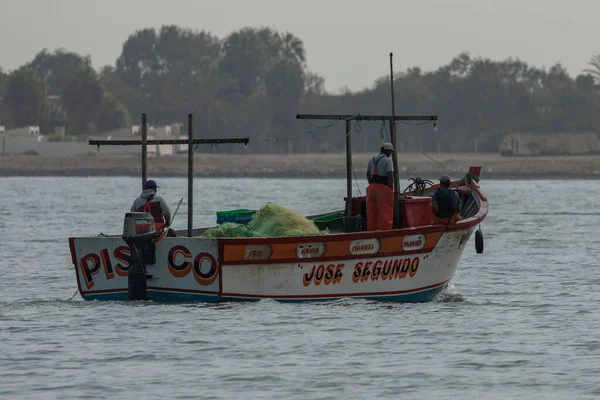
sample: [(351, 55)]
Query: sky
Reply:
[(347, 41)]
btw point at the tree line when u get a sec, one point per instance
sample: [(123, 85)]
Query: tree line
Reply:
[(254, 81)]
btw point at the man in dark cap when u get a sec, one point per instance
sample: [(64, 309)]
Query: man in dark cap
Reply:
[(153, 204), (445, 203)]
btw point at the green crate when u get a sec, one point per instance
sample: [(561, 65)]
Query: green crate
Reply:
[(240, 215), (333, 222)]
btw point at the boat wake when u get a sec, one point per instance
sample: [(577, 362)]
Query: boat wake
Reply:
[(450, 295)]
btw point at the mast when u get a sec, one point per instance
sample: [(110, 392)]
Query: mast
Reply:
[(358, 117), (190, 141), (348, 169), (144, 150), (190, 177), (395, 152)]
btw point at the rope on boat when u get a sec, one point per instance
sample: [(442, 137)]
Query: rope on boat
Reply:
[(74, 294), (384, 126), (471, 176), (355, 180), (357, 128), (471, 206), (355, 117), (333, 123), (382, 130)]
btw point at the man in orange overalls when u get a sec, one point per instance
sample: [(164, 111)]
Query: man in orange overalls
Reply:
[(152, 203), (380, 192)]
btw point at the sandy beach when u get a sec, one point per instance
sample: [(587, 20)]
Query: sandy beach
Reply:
[(300, 165)]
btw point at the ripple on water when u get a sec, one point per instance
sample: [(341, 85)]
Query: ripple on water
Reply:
[(519, 321)]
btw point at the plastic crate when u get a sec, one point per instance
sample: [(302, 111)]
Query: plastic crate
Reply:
[(240, 216), (415, 211), (333, 222), (354, 224)]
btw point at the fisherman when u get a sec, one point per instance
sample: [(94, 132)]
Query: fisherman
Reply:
[(152, 203), (445, 203), (380, 192)]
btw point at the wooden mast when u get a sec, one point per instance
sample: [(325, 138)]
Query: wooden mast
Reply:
[(190, 177), (190, 141), (348, 169), (144, 150), (358, 117), (395, 152)]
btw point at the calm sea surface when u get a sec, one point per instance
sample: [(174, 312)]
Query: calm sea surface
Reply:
[(521, 320)]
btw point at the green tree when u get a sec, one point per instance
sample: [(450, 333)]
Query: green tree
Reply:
[(4, 77), (83, 98), (113, 115), (292, 48), (199, 51), (314, 84), (164, 71), (253, 81), (284, 88), (138, 57), (113, 84), (57, 68), (247, 56), (585, 83), (26, 97), (55, 117), (594, 71)]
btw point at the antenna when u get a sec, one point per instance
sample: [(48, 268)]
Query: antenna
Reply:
[(392, 87)]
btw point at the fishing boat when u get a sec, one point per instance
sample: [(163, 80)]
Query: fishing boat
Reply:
[(412, 262)]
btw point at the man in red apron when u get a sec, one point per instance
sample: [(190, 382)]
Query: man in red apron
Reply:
[(153, 204), (380, 192)]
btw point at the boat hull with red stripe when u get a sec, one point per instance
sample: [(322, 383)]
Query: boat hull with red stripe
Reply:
[(410, 264)]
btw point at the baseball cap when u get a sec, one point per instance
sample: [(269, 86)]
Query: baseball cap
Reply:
[(445, 179), (387, 147), (150, 184)]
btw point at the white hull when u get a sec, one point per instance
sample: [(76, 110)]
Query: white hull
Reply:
[(192, 269), (409, 264)]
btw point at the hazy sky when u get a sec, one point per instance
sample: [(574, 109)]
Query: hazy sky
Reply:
[(347, 42)]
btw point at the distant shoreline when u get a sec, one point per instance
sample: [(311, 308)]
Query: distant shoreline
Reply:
[(311, 166), (288, 175)]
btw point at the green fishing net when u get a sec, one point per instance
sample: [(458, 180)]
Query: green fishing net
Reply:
[(269, 221), (229, 229)]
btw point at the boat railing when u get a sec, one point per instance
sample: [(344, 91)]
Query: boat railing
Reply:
[(470, 208)]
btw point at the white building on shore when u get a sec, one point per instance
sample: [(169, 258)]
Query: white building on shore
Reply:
[(549, 144), (28, 140)]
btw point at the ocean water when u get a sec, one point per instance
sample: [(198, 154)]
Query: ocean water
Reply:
[(521, 320)]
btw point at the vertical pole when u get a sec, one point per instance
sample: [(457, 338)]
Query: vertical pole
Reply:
[(396, 177), (395, 153), (348, 169), (190, 177), (144, 150), (1, 119)]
